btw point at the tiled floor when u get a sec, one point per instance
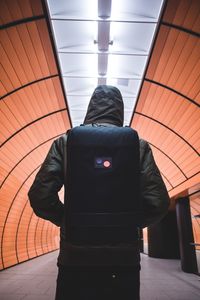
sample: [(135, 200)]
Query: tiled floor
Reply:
[(161, 279)]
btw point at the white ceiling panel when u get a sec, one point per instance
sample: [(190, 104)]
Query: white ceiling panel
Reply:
[(73, 9), (80, 86), (103, 42), (121, 10), (128, 103), (127, 116), (136, 10), (75, 36), (78, 107), (78, 103), (129, 88), (131, 38), (79, 36), (77, 116), (126, 66), (79, 65)]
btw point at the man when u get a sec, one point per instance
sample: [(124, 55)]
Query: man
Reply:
[(81, 272)]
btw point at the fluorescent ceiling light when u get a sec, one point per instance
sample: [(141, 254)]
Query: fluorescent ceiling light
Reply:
[(103, 42)]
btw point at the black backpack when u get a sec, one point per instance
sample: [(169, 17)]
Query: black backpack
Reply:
[(102, 205)]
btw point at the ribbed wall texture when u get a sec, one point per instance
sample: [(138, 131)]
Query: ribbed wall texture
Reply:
[(167, 113), (34, 112)]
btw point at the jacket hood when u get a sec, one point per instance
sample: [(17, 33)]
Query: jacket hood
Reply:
[(105, 106)]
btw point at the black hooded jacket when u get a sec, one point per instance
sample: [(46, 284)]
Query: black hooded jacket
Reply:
[(105, 109), (106, 106)]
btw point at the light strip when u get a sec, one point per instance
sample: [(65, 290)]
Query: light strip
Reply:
[(103, 39)]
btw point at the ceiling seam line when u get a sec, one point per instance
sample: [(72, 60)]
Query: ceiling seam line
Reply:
[(89, 95), (102, 52), (170, 160), (43, 48), (103, 21), (25, 85), (180, 28), (22, 21), (148, 117), (193, 193), (35, 227), (172, 70), (17, 231), (27, 235), (41, 236), (46, 237), (113, 77), (172, 90), (167, 180), (36, 120), (41, 144), (185, 181)]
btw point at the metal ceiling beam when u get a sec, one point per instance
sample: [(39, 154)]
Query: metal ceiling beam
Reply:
[(103, 39), (102, 64), (104, 9)]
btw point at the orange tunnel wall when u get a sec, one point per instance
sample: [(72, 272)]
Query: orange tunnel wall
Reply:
[(34, 112)]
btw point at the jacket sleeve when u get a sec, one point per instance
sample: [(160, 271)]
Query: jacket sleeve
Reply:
[(154, 195), (43, 194)]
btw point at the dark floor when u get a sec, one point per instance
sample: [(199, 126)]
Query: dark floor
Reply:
[(161, 279)]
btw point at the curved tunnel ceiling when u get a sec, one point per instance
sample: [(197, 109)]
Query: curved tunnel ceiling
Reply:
[(167, 112), (34, 112)]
